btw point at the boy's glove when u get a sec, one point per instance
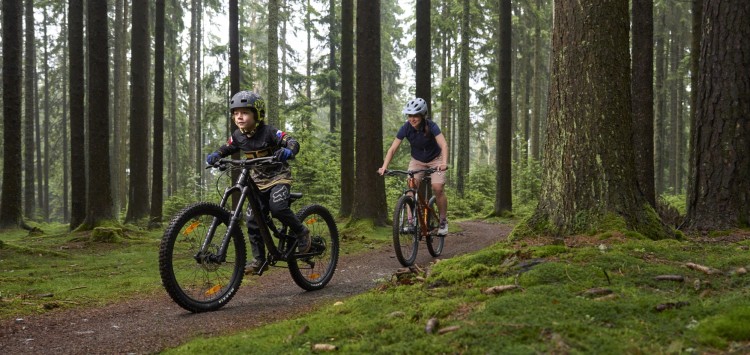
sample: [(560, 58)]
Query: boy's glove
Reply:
[(283, 154), (212, 158)]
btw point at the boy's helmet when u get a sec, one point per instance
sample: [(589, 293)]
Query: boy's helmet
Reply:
[(251, 100), (416, 106)]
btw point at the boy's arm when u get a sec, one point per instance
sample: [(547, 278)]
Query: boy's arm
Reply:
[(228, 149), (287, 141)]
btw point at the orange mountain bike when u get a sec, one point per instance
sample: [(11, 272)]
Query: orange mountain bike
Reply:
[(415, 219)]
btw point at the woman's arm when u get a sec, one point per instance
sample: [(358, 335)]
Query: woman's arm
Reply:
[(443, 144), (389, 155)]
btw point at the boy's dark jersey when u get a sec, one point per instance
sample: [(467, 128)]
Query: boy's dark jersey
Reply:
[(262, 143), (424, 147)]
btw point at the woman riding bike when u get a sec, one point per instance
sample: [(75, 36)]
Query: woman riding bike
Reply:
[(429, 149)]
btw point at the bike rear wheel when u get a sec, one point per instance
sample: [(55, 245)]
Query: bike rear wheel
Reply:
[(196, 281), (314, 269), (405, 234), (435, 242)]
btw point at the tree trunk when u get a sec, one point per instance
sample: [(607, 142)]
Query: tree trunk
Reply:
[(332, 122), (347, 107), (424, 54), (64, 128), (78, 175), (536, 118), (719, 197), (464, 122), (643, 96), (659, 61), (29, 113), (588, 179), (272, 100), (46, 166), (10, 207), (370, 198), (503, 197), (99, 205), (138, 203), (157, 185)]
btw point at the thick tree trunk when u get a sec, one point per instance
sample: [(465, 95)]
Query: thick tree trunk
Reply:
[(29, 113), (424, 53), (78, 183), (370, 198), (588, 179), (719, 197), (138, 203), (99, 205), (347, 107), (643, 96), (10, 207), (157, 184), (503, 197)]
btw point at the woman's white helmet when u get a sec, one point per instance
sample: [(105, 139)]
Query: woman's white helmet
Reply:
[(416, 106)]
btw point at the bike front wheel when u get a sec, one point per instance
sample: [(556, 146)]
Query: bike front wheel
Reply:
[(435, 242), (405, 232), (314, 269), (201, 281)]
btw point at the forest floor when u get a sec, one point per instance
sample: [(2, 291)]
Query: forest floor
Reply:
[(149, 325)]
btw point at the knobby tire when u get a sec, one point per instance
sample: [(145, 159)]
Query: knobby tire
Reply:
[(405, 243), (313, 272), (194, 282)]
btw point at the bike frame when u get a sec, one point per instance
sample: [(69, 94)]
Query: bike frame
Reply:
[(248, 191), (423, 210)]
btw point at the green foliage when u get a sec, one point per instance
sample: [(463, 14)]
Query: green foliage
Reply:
[(731, 325), (566, 300)]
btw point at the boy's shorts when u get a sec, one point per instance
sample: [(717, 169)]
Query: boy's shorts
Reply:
[(438, 177)]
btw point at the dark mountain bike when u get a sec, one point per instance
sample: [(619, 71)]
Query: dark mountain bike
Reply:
[(415, 219), (202, 253)]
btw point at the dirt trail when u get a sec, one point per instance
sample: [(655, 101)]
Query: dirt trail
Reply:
[(150, 325)]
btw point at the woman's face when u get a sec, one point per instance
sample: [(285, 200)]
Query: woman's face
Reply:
[(244, 118), (415, 120)]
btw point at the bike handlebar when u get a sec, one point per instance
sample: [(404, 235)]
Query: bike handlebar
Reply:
[(411, 173), (223, 162)]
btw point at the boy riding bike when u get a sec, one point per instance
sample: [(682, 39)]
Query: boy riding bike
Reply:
[(257, 139)]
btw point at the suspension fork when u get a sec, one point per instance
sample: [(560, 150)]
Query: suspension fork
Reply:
[(220, 255)]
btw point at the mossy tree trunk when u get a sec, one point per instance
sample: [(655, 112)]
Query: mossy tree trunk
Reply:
[(589, 180), (719, 195)]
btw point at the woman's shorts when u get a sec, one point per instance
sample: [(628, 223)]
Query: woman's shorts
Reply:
[(438, 177)]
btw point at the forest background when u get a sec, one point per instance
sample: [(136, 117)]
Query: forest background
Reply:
[(156, 79)]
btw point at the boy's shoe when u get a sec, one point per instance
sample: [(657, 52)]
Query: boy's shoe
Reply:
[(303, 242), (255, 266), (443, 230)]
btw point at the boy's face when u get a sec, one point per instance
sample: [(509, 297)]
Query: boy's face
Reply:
[(244, 118)]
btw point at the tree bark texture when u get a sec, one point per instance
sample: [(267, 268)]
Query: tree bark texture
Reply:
[(29, 113), (719, 197), (157, 180), (423, 52), (503, 196), (10, 205), (370, 188), (272, 102), (99, 205), (463, 119), (588, 169), (78, 181), (347, 107), (643, 96), (138, 201)]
